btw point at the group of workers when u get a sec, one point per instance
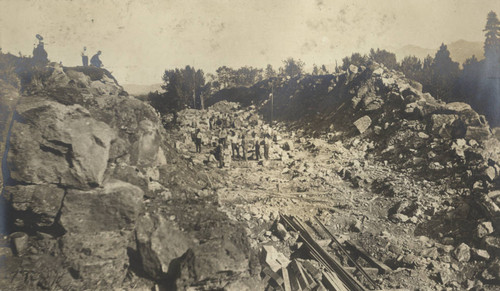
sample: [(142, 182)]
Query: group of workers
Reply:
[(228, 138)]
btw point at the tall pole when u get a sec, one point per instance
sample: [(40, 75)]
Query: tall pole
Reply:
[(194, 88), (272, 101)]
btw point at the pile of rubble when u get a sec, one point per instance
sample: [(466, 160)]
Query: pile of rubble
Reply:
[(435, 165)]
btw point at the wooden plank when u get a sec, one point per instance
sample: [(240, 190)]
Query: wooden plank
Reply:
[(311, 283), (320, 287), (286, 279), (353, 260), (300, 275), (381, 266), (276, 278), (370, 271), (294, 282), (315, 272), (331, 263), (332, 282)]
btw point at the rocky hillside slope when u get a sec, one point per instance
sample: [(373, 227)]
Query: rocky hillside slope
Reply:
[(393, 122), (96, 195)]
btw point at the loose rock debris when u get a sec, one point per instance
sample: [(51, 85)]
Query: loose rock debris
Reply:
[(408, 200)]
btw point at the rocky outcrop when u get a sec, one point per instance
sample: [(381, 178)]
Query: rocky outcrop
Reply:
[(58, 144), (85, 161), (156, 255), (9, 96)]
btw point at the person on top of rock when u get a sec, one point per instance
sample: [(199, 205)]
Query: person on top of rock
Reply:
[(95, 61), (85, 57), (40, 56), (197, 140), (211, 122)]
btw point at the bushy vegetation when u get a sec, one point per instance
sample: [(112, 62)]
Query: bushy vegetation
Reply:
[(477, 82)]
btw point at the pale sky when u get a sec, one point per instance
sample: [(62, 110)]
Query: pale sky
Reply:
[(139, 39)]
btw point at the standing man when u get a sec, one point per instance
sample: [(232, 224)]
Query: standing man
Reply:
[(85, 57), (267, 144), (244, 146), (257, 148), (95, 61), (197, 140), (219, 154)]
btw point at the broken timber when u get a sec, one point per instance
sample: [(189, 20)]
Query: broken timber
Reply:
[(347, 254), (383, 268), (347, 282)]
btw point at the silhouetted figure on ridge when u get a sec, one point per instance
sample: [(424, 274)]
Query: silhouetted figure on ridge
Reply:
[(95, 61), (40, 56), (85, 57)]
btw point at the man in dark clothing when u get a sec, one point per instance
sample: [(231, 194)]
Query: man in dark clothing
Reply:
[(40, 56), (219, 154), (244, 146), (95, 61), (257, 149)]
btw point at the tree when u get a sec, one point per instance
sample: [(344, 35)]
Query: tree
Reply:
[(492, 41), (356, 59), (183, 88), (384, 57), (411, 66), (292, 68), (444, 72), (224, 75), (270, 72), (246, 76)]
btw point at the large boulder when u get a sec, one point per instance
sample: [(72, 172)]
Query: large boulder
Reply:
[(42, 202), (159, 242), (215, 263), (113, 207), (56, 144), (442, 124), (146, 151), (99, 260)]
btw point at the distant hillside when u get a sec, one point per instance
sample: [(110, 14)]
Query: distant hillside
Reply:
[(135, 89), (460, 50)]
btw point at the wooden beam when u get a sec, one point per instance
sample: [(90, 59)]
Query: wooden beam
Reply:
[(347, 254), (333, 282), (286, 279), (276, 278), (381, 266), (328, 261)]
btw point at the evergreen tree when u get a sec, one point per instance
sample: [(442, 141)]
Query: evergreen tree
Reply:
[(411, 66), (384, 57), (270, 72), (492, 41), (292, 68), (444, 72)]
